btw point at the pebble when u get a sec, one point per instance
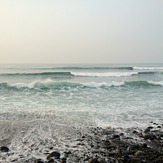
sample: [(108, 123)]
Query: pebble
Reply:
[(4, 149), (139, 153), (39, 161), (54, 154), (97, 145)]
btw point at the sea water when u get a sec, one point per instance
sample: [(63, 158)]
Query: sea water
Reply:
[(44, 106), (82, 95)]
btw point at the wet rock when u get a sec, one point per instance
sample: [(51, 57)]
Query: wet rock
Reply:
[(139, 153), (67, 153), (93, 160), (54, 154), (148, 129), (113, 153), (51, 148), (150, 137), (51, 161), (115, 137), (133, 147), (101, 160), (126, 158), (135, 132), (39, 161), (135, 160), (144, 145), (158, 160), (4, 149), (63, 160)]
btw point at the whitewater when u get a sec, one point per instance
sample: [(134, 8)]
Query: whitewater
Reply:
[(112, 95), (53, 102)]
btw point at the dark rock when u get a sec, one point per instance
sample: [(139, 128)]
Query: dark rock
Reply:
[(115, 137), (158, 160), (101, 160), (51, 161), (113, 153), (133, 147), (121, 134), (135, 132), (144, 145), (155, 123), (93, 160), (135, 160), (63, 160), (50, 147), (54, 154), (39, 161), (126, 158), (148, 129), (139, 153), (150, 137), (4, 149), (128, 138), (67, 153)]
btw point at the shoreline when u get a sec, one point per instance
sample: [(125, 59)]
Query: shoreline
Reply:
[(88, 145)]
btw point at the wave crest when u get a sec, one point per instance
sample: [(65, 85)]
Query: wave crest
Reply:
[(148, 68), (108, 74), (54, 85)]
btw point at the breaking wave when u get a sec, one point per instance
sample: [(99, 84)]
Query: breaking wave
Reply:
[(53, 85), (147, 68), (107, 74), (82, 74), (114, 74)]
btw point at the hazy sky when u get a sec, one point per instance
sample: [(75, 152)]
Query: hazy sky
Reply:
[(81, 31)]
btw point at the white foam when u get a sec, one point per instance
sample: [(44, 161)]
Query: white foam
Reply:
[(148, 68), (156, 83), (30, 85), (108, 74), (104, 84)]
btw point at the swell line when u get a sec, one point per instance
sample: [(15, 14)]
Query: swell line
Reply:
[(53, 85), (38, 74)]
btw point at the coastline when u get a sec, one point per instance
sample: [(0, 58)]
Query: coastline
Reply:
[(72, 144)]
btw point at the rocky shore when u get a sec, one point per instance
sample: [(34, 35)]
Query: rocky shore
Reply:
[(95, 145)]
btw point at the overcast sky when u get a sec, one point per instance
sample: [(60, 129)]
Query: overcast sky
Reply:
[(81, 31)]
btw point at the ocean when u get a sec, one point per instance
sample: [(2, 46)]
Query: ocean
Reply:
[(85, 95), (49, 107)]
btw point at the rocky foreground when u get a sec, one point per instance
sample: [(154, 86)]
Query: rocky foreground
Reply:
[(99, 145)]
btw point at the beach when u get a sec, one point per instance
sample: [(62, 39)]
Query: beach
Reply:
[(37, 142), (81, 113)]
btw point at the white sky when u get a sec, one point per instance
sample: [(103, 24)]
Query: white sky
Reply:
[(81, 31)]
